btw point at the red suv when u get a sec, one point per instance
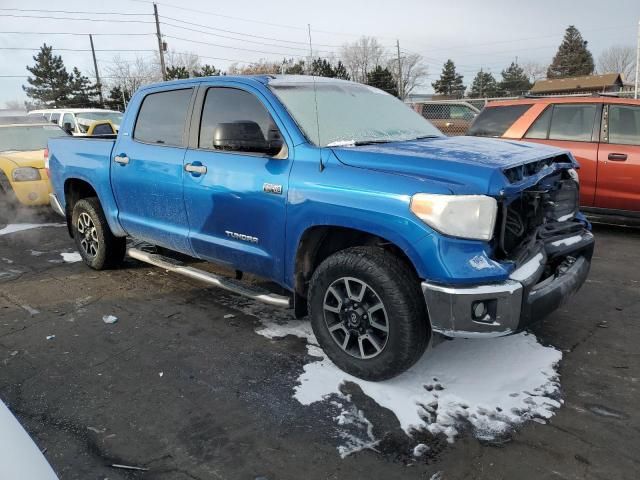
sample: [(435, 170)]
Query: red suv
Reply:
[(603, 133)]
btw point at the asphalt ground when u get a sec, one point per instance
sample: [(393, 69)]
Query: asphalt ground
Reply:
[(182, 386)]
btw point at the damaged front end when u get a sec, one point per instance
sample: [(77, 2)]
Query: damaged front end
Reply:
[(541, 233)]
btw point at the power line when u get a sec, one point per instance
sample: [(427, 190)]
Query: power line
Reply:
[(77, 34), (288, 54), (112, 20), (72, 12), (78, 49)]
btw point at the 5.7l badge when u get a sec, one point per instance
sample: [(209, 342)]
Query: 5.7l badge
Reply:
[(272, 188)]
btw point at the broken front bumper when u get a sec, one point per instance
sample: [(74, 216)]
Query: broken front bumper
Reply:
[(504, 308)]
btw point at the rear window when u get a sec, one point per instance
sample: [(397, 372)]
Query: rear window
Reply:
[(494, 121), (162, 117), (26, 138), (624, 125)]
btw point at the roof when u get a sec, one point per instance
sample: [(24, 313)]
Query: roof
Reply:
[(562, 99), (23, 120), (72, 110), (587, 82)]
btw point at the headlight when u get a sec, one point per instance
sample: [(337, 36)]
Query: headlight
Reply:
[(465, 216), (25, 174)]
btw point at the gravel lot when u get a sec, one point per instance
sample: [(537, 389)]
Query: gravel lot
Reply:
[(183, 386)]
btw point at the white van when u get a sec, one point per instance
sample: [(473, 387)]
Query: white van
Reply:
[(77, 120)]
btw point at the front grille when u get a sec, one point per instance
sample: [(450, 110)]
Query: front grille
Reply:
[(548, 206)]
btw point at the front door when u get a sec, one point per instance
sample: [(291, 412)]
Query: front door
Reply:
[(147, 171), (619, 159), (236, 178)]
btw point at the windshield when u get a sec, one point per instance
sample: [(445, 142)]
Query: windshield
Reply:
[(28, 137), (350, 113), (114, 117)]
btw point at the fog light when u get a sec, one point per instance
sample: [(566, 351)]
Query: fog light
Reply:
[(479, 310)]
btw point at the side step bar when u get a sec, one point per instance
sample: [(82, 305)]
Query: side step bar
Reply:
[(211, 278)]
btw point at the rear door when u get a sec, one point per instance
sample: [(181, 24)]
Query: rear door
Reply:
[(236, 179), (619, 159), (574, 127), (147, 169)]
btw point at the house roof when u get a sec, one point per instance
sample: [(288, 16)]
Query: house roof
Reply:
[(587, 82)]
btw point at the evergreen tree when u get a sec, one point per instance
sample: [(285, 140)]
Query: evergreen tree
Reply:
[(84, 93), (450, 82), (321, 68), (484, 85), (514, 81), (383, 79), (50, 85), (573, 57), (297, 68), (177, 72), (207, 71), (340, 71), (116, 98)]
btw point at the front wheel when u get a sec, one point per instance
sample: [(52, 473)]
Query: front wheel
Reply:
[(368, 313), (99, 248)]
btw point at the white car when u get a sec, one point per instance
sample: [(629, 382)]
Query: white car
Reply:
[(20, 458), (77, 120)]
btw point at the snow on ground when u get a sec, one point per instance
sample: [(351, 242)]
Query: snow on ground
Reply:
[(71, 257), (493, 385), (19, 227)]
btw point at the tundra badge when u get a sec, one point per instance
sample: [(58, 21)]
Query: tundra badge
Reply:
[(241, 236), (272, 188)]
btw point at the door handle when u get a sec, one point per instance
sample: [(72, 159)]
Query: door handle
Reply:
[(121, 159), (617, 157), (448, 124), (195, 169)]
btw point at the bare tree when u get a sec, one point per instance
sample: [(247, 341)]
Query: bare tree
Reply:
[(261, 67), (534, 70), (619, 59), (361, 56), (414, 71), (131, 75), (14, 105), (189, 60)]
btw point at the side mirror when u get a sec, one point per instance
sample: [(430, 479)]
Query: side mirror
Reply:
[(67, 127)]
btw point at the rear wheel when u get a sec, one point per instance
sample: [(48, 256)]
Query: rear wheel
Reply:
[(368, 313), (8, 200), (99, 248)]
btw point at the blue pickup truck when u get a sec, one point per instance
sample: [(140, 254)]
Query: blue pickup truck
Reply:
[(376, 225)]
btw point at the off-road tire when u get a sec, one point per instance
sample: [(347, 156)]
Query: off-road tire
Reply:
[(399, 289), (111, 249)]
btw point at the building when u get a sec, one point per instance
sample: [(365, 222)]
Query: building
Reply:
[(606, 83)]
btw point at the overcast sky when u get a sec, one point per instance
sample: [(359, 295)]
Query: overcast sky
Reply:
[(488, 34)]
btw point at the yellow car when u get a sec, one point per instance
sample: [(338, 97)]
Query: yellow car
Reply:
[(23, 143)]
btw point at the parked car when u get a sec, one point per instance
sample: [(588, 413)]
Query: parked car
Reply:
[(19, 456), (602, 132), (450, 117), (377, 225), (23, 178), (76, 121)]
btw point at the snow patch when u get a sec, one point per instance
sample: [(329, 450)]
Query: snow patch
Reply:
[(342, 143), (109, 319), (71, 257), (491, 384), (19, 227)]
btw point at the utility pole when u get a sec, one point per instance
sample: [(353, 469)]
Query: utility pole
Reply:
[(635, 95), (160, 43), (95, 67), (400, 92)]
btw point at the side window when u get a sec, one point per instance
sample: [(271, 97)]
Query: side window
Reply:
[(495, 121), (434, 111), (68, 118), (624, 124), (55, 117), (235, 120), (572, 122), (540, 128), (461, 112), (162, 117)]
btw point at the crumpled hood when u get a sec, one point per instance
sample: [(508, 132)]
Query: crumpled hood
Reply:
[(464, 165)]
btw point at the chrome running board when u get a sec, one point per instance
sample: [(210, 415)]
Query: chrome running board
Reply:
[(210, 278)]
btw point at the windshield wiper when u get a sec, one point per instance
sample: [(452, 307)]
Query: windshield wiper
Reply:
[(370, 142), (425, 136)]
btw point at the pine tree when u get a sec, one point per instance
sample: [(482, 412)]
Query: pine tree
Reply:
[(297, 68), (50, 85), (207, 71), (321, 68), (383, 79), (84, 93), (177, 72), (116, 98), (340, 71), (573, 57), (484, 85), (514, 81), (450, 82)]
